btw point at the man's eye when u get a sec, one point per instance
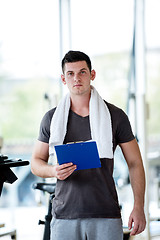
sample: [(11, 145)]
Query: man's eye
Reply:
[(83, 72), (70, 74)]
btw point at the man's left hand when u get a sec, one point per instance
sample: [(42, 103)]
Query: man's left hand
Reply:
[(137, 217)]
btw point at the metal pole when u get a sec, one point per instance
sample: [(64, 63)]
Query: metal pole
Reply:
[(64, 31), (141, 97), (65, 26)]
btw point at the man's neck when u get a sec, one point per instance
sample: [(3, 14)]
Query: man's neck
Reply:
[(80, 105)]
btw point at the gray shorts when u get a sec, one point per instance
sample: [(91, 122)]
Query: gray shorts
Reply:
[(86, 229)]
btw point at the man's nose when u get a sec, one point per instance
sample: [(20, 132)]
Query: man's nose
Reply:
[(76, 77)]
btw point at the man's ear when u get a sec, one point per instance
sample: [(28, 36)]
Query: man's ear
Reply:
[(93, 74), (63, 79)]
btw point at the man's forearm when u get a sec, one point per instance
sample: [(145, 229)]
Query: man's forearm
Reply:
[(42, 169), (39, 161), (136, 171), (137, 178)]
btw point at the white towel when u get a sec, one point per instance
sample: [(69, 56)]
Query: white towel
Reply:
[(100, 124)]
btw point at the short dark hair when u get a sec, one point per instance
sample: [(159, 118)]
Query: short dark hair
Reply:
[(76, 56)]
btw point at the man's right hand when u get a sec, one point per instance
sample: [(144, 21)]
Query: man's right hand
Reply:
[(63, 171)]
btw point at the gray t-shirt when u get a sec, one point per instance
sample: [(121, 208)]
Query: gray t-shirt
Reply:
[(88, 193)]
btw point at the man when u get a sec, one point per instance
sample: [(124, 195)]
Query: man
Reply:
[(85, 204)]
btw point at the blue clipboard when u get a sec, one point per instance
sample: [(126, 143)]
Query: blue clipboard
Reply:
[(83, 154)]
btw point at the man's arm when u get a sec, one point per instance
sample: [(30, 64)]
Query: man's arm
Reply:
[(133, 158), (41, 168)]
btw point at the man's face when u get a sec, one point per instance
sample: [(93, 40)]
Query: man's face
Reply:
[(77, 76)]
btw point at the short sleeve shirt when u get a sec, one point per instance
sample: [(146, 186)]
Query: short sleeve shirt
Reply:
[(121, 127), (88, 193)]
